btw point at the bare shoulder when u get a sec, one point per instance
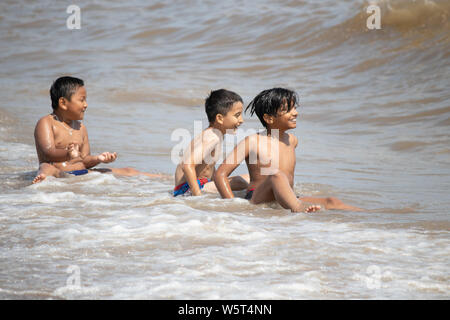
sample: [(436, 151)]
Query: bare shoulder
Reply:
[(45, 119), (210, 138), (252, 141), (44, 122), (253, 138)]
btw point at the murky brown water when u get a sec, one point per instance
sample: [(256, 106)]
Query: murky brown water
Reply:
[(374, 130)]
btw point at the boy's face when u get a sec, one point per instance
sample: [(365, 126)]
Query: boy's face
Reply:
[(233, 119), (285, 119), (74, 108)]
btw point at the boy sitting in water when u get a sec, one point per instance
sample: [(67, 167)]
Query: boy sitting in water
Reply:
[(270, 157), (61, 140), (196, 169)]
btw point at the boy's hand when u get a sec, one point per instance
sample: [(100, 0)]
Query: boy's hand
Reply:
[(73, 149), (107, 157)]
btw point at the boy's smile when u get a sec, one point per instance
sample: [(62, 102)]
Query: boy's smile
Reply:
[(294, 120), (286, 120)]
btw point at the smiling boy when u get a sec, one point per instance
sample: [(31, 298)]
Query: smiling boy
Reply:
[(196, 169), (61, 139), (270, 156)]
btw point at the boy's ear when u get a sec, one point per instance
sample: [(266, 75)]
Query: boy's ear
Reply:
[(62, 103), (219, 118), (268, 118)]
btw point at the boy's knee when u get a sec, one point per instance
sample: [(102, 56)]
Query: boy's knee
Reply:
[(278, 175), (332, 201), (45, 165), (50, 170)]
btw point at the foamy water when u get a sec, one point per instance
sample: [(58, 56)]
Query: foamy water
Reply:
[(373, 131)]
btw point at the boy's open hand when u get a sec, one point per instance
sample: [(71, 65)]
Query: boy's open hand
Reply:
[(107, 157), (73, 150)]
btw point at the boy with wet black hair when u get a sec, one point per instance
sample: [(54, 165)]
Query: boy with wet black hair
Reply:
[(270, 156)]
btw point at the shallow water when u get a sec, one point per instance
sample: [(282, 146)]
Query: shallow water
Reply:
[(373, 130)]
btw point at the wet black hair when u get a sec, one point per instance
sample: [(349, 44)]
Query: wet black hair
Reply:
[(64, 87), (220, 102), (271, 101)]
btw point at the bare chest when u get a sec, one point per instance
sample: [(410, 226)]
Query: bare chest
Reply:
[(63, 136), (274, 154)]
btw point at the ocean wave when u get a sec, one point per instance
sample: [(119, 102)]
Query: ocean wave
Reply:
[(402, 20), (408, 17)]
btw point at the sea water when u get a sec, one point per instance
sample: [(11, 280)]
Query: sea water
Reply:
[(373, 129)]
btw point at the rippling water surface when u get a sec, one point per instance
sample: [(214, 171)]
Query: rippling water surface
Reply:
[(374, 130)]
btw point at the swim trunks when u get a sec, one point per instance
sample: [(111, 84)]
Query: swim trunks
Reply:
[(184, 187), (78, 172), (249, 194)]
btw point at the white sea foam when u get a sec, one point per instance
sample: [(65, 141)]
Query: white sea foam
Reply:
[(44, 197)]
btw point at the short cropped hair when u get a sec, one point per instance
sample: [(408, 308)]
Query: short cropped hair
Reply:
[(64, 87), (220, 102), (271, 101)]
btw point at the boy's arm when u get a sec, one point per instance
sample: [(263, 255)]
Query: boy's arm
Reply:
[(233, 160), (191, 178), (45, 142), (106, 157), (90, 161), (193, 157)]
